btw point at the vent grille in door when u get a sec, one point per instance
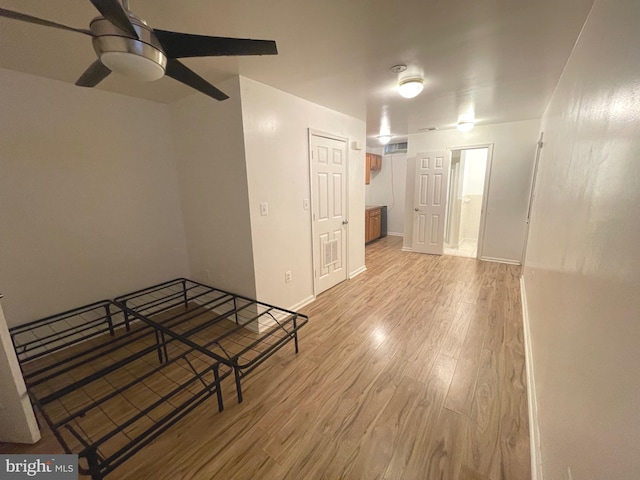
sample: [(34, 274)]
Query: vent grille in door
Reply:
[(330, 250)]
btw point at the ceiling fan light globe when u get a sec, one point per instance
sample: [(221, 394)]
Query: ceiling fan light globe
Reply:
[(132, 66), (411, 88), (384, 139)]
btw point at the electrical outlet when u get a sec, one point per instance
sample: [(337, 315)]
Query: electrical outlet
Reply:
[(287, 276), (305, 204), (264, 208)]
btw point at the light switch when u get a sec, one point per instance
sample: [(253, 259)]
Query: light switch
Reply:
[(264, 208)]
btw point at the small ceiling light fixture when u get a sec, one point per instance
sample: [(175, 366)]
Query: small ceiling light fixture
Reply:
[(465, 126), (411, 87), (398, 68), (384, 139)]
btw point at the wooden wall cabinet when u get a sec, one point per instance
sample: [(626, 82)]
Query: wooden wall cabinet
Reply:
[(374, 162), (367, 170), (372, 223)]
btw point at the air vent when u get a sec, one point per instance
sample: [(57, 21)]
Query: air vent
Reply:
[(395, 148), (330, 253)]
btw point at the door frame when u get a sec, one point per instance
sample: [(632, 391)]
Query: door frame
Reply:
[(485, 193), (311, 132), (532, 196)]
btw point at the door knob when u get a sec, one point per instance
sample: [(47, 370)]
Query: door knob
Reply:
[(345, 222), (417, 209)]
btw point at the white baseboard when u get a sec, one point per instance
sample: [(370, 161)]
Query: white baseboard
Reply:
[(500, 260), (407, 249), (534, 433), (303, 303), (266, 323), (357, 272), (395, 234)]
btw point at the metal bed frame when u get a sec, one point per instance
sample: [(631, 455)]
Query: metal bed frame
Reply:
[(110, 377), (107, 391), (235, 330)]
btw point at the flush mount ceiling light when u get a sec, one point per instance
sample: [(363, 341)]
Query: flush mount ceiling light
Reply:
[(384, 139), (410, 87), (464, 126)]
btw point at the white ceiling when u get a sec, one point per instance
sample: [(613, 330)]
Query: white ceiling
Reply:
[(499, 59)]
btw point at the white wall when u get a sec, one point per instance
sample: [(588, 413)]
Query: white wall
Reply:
[(470, 217), (89, 204), (212, 174), (277, 151), (17, 421), (475, 166), (510, 180), (582, 269)]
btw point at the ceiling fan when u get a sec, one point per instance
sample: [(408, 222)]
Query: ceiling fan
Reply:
[(126, 44)]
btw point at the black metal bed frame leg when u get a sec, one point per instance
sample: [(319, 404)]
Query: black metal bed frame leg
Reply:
[(94, 467), (109, 320), (236, 372), (157, 332), (184, 293), (295, 333), (235, 308), (164, 347), (216, 376), (126, 317)]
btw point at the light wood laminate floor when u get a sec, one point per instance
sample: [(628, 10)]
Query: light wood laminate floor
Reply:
[(413, 370)]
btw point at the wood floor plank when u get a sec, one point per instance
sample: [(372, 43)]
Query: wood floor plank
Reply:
[(369, 405), (319, 458), (452, 343), (409, 459), (379, 444), (412, 370), (484, 450), (446, 452), (463, 385)]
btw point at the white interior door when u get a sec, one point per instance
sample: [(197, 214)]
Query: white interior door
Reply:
[(329, 209), (430, 201)]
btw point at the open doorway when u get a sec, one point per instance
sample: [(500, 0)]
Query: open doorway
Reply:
[(463, 222)]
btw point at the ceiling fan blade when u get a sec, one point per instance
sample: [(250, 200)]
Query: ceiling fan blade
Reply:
[(113, 11), (93, 75), (181, 45), (180, 72), (23, 17)]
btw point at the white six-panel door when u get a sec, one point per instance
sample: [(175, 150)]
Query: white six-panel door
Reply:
[(329, 209), (430, 201)]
